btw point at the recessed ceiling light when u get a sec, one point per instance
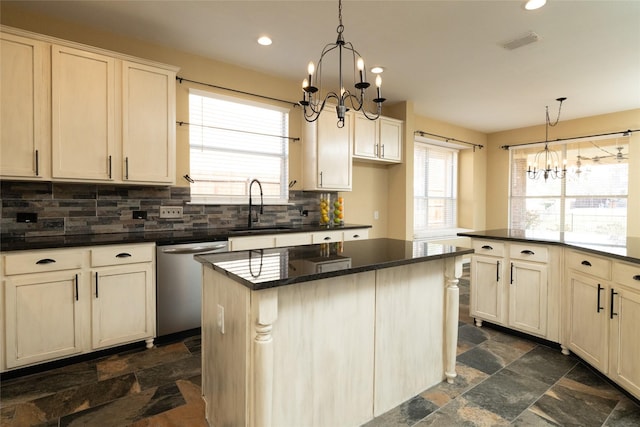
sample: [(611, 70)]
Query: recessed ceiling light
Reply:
[(534, 4), (264, 41), (377, 70)]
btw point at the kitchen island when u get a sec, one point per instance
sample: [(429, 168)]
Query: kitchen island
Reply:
[(330, 334)]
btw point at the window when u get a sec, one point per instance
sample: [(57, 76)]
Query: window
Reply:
[(232, 142), (435, 190), (591, 200)]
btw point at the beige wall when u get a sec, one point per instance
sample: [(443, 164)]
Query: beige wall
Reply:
[(498, 173), (388, 189)]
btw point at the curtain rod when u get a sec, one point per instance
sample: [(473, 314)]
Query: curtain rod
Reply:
[(447, 139), (627, 132), (181, 79), (238, 130)]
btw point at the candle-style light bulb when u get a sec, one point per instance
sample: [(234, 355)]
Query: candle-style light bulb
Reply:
[(305, 84), (311, 69), (378, 84), (360, 64)]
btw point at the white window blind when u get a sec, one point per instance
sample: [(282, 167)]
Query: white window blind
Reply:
[(435, 190), (591, 200), (232, 142)]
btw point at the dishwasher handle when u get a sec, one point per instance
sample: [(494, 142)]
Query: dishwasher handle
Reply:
[(193, 249)]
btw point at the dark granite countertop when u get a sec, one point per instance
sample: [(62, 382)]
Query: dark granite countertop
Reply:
[(9, 243), (269, 268), (625, 249)]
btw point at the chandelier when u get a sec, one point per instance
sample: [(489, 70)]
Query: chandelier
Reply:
[(551, 159), (313, 101)]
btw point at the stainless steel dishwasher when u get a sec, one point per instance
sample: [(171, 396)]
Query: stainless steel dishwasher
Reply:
[(178, 285)]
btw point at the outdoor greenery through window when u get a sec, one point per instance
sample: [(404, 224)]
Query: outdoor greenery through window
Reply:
[(591, 200), (233, 141), (435, 190)]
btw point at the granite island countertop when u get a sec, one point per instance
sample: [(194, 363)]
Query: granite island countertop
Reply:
[(269, 268), (173, 237), (625, 249)]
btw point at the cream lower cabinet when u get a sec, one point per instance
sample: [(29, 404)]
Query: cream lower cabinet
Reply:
[(54, 307), (123, 295), (603, 315), (510, 286)]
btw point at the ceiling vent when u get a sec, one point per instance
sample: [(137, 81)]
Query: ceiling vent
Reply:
[(528, 38)]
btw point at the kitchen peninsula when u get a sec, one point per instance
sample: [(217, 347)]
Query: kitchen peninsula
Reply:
[(328, 334)]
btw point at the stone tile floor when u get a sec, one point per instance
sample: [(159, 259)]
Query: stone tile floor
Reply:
[(503, 379)]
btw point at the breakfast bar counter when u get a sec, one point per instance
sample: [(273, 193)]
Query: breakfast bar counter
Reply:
[(329, 334)]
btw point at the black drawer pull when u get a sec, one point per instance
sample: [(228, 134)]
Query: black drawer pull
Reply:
[(613, 292), (587, 263), (327, 238), (636, 277), (527, 252), (123, 255), (487, 247), (600, 288), (357, 236), (46, 261)]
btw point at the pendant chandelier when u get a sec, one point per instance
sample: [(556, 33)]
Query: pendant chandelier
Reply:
[(313, 100), (551, 167)]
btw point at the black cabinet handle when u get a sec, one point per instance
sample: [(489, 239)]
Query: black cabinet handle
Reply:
[(357, 236), (487, 247), (600, 288), (327, 238), (511, 281), (636, 277), (527, 252), (497, 271), (46, 261), (382, 151), (126, 168), (123, 255), (76, 287), (320, 179), (37, 163), (613, 292), (585, 262), (96, 285), (109, 167)]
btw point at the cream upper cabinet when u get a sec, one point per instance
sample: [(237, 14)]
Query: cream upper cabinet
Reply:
[(76, 113), (83, 114), (148, 124), (327, 153), (25, 133), (378, 140)]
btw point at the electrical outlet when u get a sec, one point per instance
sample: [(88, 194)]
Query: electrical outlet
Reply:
[(376, 215), (171, 212)]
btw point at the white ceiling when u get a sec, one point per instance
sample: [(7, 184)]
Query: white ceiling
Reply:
[(445, 56)]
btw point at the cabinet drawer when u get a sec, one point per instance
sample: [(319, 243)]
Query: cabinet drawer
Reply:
[(359, 234), (627, 274), (118, 255), (529, 252), (326, 236), (42, 261), (488, 247), (294, 239), (589, 264), (253, 242)]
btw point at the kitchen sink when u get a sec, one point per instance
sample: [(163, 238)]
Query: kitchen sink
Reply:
[(262, 230)]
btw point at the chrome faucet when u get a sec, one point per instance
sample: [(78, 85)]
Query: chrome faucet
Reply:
[(250, 222)]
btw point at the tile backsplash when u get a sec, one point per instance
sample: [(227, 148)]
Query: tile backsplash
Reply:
[(66, 209)]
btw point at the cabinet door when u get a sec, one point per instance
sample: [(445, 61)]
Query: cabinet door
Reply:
[(588, 322), (390, 148), (24, 108), (334, 151), (83, 128), (528, 297), (365, 137), (43, 317), (625, 338), (148, 124), (487, 275), (122, 304)]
